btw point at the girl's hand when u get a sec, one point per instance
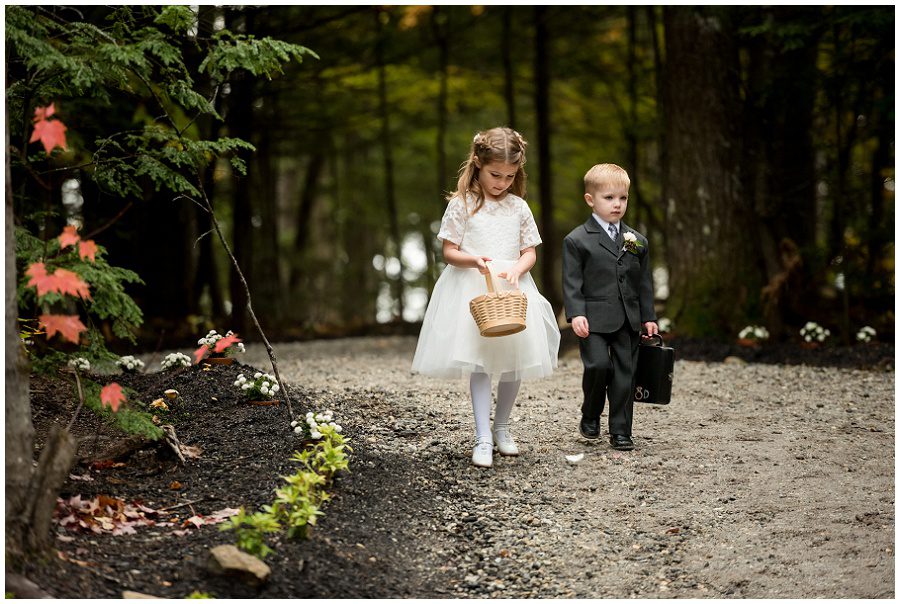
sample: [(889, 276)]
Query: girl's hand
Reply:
[(481, 264), (512, 275)]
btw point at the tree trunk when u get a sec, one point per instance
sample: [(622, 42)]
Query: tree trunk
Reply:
[(30, 492), (549, 249), (240, 121), (440, 25), (387, 152), (509, 93), (714, 274), (663, 154), (631, 128), (19, 432), (268, 288)]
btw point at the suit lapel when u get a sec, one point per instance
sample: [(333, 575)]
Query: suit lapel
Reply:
[(591, 226)]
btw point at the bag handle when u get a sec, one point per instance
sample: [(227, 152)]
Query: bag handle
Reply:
[(656, 335)]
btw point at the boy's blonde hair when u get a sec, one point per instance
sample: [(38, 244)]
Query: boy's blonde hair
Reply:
[(495, 145), (605, 174)]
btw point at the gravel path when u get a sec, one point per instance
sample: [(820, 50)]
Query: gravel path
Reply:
[(757, 481)]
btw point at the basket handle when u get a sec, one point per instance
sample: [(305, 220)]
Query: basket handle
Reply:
[(489, 281)]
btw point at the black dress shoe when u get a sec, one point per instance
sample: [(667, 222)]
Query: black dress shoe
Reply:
[(589, 428), (620, 442)]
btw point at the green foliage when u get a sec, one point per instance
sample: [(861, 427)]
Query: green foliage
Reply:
[(128, 418), (199, 595), (109, 301), (260, 57), (179, 19), (250, 530), (298, 503)]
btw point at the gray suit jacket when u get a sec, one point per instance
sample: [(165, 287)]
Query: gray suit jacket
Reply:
[(604, 283)]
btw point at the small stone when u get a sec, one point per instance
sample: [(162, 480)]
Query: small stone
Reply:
[(229, 560), (171, 393), (136, 595), (734, 361)]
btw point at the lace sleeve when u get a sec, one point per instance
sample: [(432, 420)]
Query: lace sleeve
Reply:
[(453, 224), (528, 231)]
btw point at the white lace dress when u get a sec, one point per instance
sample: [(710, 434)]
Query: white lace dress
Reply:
[(450, 345)]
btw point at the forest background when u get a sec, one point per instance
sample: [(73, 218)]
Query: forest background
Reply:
[(759, 140)]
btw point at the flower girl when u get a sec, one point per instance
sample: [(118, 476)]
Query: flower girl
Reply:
[(488, 228)]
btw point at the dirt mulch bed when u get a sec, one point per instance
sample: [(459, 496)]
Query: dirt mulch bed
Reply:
[(245, 448)]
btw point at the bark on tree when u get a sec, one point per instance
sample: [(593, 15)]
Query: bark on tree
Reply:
[(240, 121), (19, 432), (549, 249), (388, 157), (713, 266), (30, 492)]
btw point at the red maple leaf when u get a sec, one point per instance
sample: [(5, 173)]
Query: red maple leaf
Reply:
[(112, 395), (42, 113), (38, 274), (51, 133), (69, 237), (67, 282), (61, 281), (200, 353), (87, 249), (68, 326), (225, 342)]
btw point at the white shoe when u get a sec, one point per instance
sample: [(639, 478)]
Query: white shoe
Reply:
[(504, 441), (483, 453)]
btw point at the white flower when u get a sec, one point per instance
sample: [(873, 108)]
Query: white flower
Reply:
[(298, 430), (294, 424), (246, 386), (865, 334), (257, 375), (337, 428), (80, 363), (309, 414), (316, 434), (629, 236), (264, 391), (275, 388)]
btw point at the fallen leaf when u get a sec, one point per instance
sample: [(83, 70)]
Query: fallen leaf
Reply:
[(171, 393), (673, 531), (159, 404), (174, 485), (191, 451), (155, 419)]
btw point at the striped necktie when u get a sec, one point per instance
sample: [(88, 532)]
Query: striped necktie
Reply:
[(613, 232)]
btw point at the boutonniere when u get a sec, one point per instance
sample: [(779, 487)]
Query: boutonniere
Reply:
[(631, 243)]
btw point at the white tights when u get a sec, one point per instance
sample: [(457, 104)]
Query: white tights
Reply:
[(480, 385)]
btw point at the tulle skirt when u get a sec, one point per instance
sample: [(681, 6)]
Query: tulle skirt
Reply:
[(450, 345)]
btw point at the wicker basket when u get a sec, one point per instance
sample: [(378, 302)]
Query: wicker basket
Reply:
[(499, 313)]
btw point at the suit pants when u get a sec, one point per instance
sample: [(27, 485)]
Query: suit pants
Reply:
[(610, 360)]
